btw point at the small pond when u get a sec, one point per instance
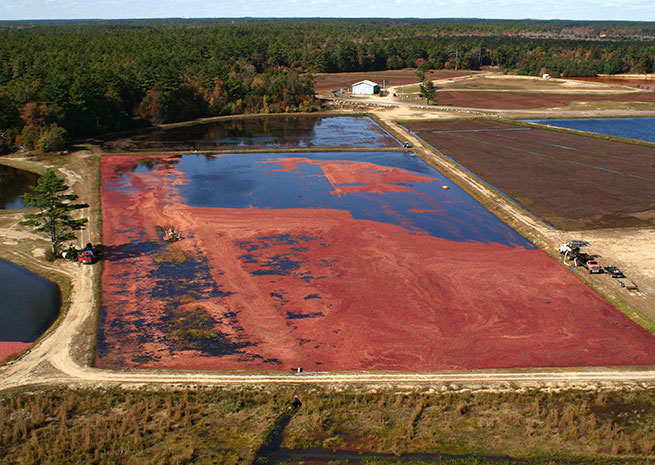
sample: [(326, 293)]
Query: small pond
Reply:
[(629, 128), (13, 184), (30, 304), (268, 132)]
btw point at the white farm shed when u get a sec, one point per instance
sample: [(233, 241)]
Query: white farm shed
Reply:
[(365, 88)]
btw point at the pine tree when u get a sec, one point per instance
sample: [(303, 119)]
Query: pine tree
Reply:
[(428, 89), (54, 207)]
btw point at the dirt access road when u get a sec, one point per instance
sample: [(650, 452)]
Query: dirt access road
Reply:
[(56, 359)]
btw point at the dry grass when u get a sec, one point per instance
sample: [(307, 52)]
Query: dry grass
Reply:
[(132, 427), (531, 424), (206, 426)]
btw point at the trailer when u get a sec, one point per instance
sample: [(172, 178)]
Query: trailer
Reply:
[(627, 284)]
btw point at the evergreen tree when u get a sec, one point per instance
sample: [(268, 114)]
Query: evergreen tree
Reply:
[(54, 207), (428, 90)]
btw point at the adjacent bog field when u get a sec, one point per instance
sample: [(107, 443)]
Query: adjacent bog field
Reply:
[(572, 181)]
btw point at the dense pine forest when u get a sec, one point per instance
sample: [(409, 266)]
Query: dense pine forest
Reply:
[(71, 79)]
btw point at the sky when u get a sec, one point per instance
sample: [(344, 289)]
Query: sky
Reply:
[(639, 10)]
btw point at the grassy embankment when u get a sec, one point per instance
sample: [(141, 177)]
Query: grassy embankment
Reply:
[(61, 426)]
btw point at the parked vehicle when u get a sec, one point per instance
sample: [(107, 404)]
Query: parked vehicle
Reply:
[(614, 272), (593, 266), (86, 256)]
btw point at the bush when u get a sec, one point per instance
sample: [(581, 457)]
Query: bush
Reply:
[(53, 140)]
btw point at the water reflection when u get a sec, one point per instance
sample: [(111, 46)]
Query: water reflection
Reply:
[(30, 303), (388, 187), (13, 184), (629, 128), (264, 132)]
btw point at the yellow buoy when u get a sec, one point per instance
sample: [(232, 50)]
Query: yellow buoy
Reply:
[(445, 187)]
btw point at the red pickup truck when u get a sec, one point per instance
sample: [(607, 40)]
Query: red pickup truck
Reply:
[(86, 256), (593, 266)]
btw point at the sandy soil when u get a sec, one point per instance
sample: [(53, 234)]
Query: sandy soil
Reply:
[(633, 251)]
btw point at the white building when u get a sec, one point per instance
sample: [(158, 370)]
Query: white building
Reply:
[(365, 88)]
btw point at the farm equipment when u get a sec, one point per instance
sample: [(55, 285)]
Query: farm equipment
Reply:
[(572, 247), (572, 250), (171, 235)]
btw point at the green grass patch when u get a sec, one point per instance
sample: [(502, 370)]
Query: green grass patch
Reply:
[(635, 315)]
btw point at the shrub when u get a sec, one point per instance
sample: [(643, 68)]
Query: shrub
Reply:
[(53, 139)]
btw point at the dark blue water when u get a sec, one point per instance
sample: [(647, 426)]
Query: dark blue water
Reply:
[(630, 128), (30, 303), (13, 184), (260, 181), (265, 132)]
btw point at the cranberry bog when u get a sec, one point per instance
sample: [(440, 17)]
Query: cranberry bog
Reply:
[(573, 181), (332, 261)]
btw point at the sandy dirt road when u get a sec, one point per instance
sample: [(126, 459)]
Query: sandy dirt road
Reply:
[(52, 360)]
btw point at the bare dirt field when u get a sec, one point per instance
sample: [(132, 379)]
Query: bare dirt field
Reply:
[(325, 82), (572, 181)]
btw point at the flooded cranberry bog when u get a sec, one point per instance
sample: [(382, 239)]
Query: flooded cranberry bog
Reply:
[(332, 261), (572, 181)]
